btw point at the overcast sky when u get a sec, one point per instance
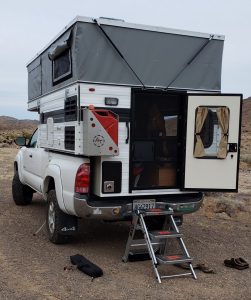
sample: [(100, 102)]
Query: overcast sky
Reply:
[(27, 26)]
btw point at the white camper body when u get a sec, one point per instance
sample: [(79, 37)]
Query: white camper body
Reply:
[(171, 139), (208, 173)]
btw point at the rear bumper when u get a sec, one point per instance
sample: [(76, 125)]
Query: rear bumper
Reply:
[(113, 210)]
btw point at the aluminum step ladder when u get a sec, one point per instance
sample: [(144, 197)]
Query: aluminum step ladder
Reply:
[(155, 242)]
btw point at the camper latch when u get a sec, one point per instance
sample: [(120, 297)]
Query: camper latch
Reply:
[(232, 147)]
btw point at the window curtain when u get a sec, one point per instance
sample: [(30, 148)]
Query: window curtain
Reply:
[(199, 122), (223, 118)]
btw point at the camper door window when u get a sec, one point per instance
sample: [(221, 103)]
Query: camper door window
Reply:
[(211, 132)]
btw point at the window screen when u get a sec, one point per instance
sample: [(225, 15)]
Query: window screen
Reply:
[(207, 131), (171, 125), (211, 132), (62, 67), (155, 140), (35, 79)]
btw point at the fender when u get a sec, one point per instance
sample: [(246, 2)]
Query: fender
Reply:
[(18, 160), (54, 171)]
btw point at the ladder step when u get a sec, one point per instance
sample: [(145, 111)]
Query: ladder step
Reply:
[(163, 234), (140, 243), (156, 212), (176, 275), (173, 259)]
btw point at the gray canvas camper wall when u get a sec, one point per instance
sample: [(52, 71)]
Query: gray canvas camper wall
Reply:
[(114, 52), (111, 57)]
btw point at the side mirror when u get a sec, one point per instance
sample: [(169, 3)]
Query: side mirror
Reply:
[(20, 141)]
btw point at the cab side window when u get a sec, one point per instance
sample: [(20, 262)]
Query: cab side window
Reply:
[(33, 140)]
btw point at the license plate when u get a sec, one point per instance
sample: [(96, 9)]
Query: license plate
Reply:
[(144, 204)]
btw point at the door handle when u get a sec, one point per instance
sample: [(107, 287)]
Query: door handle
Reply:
[(30, 155), (127, 127)]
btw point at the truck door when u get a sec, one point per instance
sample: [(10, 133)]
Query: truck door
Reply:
[(33, 161), (212, 145)]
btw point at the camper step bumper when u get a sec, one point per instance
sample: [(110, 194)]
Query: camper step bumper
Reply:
[(122, 211)]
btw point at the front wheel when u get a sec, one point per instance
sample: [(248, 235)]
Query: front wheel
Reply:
[(60, 226), (22, 194)]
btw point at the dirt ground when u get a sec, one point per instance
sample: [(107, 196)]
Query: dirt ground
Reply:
[(33, 268)]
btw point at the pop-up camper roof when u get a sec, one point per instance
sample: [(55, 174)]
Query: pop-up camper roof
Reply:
[(115, 52)]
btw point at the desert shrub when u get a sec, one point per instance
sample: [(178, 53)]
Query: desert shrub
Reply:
[(27, 134), (246, 158), (8, 137)]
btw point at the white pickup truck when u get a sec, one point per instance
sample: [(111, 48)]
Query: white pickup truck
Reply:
[(65, 182), (123, 129)]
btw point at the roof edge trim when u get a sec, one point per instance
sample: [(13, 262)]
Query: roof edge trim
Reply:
[(118, 23)]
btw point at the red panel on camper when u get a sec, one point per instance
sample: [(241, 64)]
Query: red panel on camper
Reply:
[(109, 121)]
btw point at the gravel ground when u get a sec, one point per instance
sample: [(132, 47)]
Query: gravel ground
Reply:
[(33, 268)]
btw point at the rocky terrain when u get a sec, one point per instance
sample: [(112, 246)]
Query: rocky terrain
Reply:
[(33, 268), (232, 205), (246, 130)]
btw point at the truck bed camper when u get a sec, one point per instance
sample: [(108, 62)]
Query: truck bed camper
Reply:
[(143, 103)]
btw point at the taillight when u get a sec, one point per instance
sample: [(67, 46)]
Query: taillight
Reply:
[(82, 179)]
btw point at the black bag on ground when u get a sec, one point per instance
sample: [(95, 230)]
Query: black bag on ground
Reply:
[(84, 265)]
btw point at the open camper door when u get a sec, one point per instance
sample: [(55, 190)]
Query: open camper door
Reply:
[(212, 142)]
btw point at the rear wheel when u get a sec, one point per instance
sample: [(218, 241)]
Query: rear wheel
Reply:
[(60, 226), (22, 194)]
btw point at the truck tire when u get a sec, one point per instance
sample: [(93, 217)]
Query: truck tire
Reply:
[(22, 194), (58, 223)]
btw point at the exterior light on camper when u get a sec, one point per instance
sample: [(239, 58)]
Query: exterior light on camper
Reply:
[(111, 101), (82, 179)]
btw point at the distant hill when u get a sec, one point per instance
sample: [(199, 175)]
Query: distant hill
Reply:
[(10, 123), (246, 128), (246, 111)]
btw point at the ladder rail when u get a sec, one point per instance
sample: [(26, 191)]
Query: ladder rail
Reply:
[(149, 246), (183, 246), (130, 238), (138, 223), (180, 238)]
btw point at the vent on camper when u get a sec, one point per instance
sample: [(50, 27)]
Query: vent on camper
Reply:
[(69, 139), (70, 109)]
